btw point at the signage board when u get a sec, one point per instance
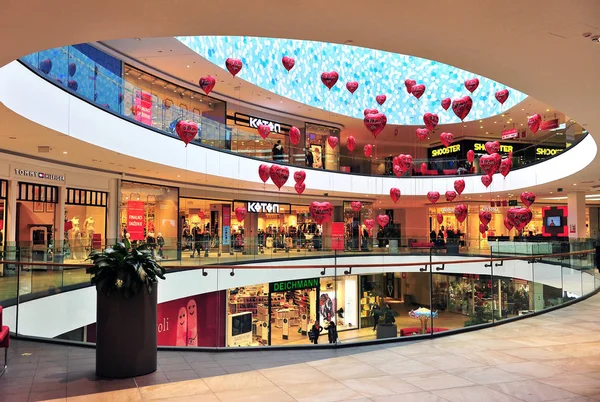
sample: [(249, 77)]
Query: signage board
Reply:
[(511, 133), (512, 203), (504, 149), (39, 175), (135, 220), (337, 236), (547, 151), (297, 284), (143, 107), (264, 207), (549, 124), (245, 120), (445, 151), (226, 225)]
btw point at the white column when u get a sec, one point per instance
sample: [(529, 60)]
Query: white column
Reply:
[(10, 231), (113, 225), (576, 219), (59, 219)]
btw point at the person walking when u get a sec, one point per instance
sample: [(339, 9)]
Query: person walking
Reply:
[(278, 152), (309, 158), (332, 334), (315, 331), (376, 312)]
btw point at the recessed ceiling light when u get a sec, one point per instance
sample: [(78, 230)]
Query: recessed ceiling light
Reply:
[(65, 152), (494, 122), (502, 114), (188, 66), (480, 126), (547, 110), (178, 175), (574, 184)]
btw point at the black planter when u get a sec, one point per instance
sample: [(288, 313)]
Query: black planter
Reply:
[(126, 342), (387, 331)]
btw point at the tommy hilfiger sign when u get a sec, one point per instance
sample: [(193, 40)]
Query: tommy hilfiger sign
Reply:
[(39, 175)]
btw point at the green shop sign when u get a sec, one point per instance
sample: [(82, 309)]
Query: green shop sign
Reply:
[(285, 286)]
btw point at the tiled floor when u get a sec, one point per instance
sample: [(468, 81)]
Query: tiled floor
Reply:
[(552, 357)]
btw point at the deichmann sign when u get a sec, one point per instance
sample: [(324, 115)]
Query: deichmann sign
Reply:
[(285, 286), (452, 149), (39, 175)]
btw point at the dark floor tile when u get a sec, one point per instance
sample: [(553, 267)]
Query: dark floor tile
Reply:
[(151, 379), (47, 395), (210, 372), (204, 365), (165, 368), (238, 369), (50, 370), (171, 360), (24, 397), (7, 389), (48, 386), (198, 357), (7, 380), (182, 375), (51, 377), (13, 373), (22, 366)]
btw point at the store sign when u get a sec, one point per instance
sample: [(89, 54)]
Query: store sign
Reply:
[(452, 149), (447, 210), (135, 220), (337, 236), (253, 122), (540, 151), (549, 124), (479, 146), (285, 286), (39, 175), (494, 210), (508, 134), (143, 107), (263, 207), (226, 225)]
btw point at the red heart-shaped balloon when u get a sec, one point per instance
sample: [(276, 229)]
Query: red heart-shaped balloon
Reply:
[(383, 220), (417, 90), (186, 130), (502, 96), (279, 175), (508, 224), (352, 86), (398, 170), (356, 205), (423, 168), (431, 120), (422, 133), (440, 218), (264, 130), (207, 83), (409, 84), (433, 196), (300, 187), (483, 228), (528, 198), (485, 217), (492, 147), (470, 155), (395, 194), (405, 162), (333, 141), (460, 212), (321, 211), (350, 143), (329, 78), (472, 84), (519, 217), (234, 66), (299, 176), (369, 223), (288, 62), (490, 163), (294, 135), (505, 166), (240, 213), (201, 214), (486, 180), (380, 99), (368, 149), (446, 102), (263, 172), (462, 106), (534, 122), (459, 186), (375, 123), (446, 139), (370, 111), (450, 195)]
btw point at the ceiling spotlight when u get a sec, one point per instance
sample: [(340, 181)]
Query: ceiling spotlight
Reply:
[(596, 38), (65, 152)]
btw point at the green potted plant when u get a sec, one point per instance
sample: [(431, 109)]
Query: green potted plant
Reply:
[(386, 328), (126, 282)]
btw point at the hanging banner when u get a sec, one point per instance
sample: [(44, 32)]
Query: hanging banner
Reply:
[(226, 225), (135, 220), (337, 236), (143, 107)]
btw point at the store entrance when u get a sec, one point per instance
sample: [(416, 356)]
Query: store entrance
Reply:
[(293, 309)]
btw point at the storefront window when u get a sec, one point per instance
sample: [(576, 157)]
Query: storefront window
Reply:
[(323, 156), (149, 215), (85, 223), (358, 235), (338, 302), (205, 226), (371, 296)]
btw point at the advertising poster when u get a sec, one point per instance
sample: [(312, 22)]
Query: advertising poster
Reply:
[(135, 219), (337, 236), (192, 321), (143, 107), (226, 225), (327, 307)]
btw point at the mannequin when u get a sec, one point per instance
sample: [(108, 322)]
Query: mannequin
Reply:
[(88, 227), (160, 241), (77, 243)]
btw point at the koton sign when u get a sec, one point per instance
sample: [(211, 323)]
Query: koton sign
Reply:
[(264, 207), (255, 122)]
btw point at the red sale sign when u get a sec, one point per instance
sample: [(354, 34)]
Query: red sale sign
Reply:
[(337, 236), (143, 107), (135, 219)]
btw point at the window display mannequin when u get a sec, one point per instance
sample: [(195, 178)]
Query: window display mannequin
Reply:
[(88, 227), (160, 241), (78, 247), (318, 162)]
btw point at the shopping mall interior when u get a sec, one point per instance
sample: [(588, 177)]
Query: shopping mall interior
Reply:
[(198, 203)]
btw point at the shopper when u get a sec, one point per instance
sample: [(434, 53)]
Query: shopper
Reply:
[(332, 334), (380, 238), (376, 312), (309, 158), (278, 152), (314, 333)]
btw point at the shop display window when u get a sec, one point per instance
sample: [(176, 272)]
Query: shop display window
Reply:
[(322, 155), (371, 297), (205, 225), (338, 302), (149, 214), (85, 223), (357, 234)]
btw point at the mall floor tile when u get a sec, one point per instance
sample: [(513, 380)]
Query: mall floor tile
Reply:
[(517, 361)]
